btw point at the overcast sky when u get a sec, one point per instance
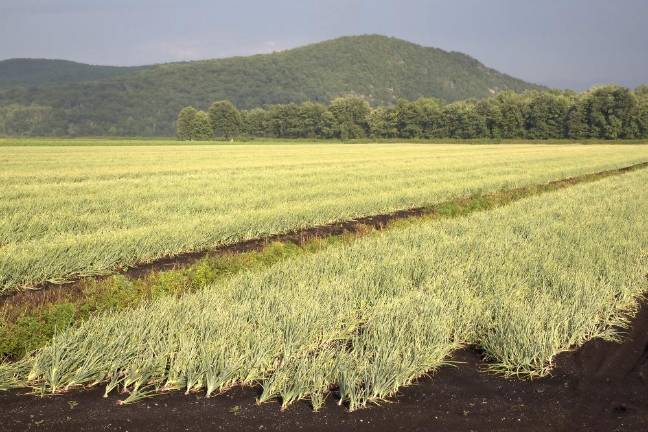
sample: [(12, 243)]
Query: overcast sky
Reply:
[(559, 43)]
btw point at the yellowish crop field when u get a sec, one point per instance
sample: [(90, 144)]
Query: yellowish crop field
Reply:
[(73, 210), (522, 282)]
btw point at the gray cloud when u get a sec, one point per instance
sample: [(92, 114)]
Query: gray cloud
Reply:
[(564, 43)]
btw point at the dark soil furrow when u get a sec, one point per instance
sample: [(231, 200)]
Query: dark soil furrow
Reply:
[(452, 208), (602, 386)]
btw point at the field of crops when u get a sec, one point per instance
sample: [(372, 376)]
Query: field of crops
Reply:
[(68, 211), (523, 283)]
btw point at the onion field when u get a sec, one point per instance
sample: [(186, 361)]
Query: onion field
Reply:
[(522, 282), (69, 210)]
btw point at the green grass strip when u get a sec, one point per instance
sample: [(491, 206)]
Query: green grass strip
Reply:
[(29, 320), (71, 212), (523, 282)]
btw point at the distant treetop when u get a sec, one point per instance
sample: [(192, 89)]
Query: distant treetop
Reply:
[(98, 100)]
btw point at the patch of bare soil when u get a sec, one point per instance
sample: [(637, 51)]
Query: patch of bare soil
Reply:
[(603, 386), (50, 292)]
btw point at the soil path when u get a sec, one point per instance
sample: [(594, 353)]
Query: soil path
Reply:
[(602, 386), (48, 292)]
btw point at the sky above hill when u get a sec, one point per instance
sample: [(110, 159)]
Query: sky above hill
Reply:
[(559, 43)]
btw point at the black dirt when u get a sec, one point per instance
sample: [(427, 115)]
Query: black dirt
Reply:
[(600, 387), (48, 292)]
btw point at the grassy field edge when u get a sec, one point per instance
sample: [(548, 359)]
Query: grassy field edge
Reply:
[(28, 320), (409, 286), (166, 141)]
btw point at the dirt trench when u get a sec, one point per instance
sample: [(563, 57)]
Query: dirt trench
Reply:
[(602, 386)]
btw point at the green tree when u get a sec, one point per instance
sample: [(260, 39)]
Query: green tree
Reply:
[(408, 119), (609, 110), (193, 125), (283, 121), (489, 109), (328, 127), (641, 92), (462, 120), (642, 120), (641, 115), (350, 115), (202, 127), (546, 115), (146, 100), (311, 119), (576, 124), (254, 122), (25, 120), (382, 123), (429, 116), (511, 108), (225, 119), (185, 123)]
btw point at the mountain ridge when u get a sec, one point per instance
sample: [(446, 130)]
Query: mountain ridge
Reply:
[(45, 72), (145, 99)]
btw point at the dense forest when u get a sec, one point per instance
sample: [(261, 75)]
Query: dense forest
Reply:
[(604, 112), (67, 99), (43, 72)]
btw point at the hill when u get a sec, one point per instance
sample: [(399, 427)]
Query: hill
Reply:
[(145, 101), (44, 72)]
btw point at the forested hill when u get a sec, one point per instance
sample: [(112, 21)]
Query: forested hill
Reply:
[(146, 101), (44, 72)]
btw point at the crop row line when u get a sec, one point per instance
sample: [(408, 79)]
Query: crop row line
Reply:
[(357, 227)]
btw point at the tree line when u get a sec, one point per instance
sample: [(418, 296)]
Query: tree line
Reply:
[(603, 112)]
